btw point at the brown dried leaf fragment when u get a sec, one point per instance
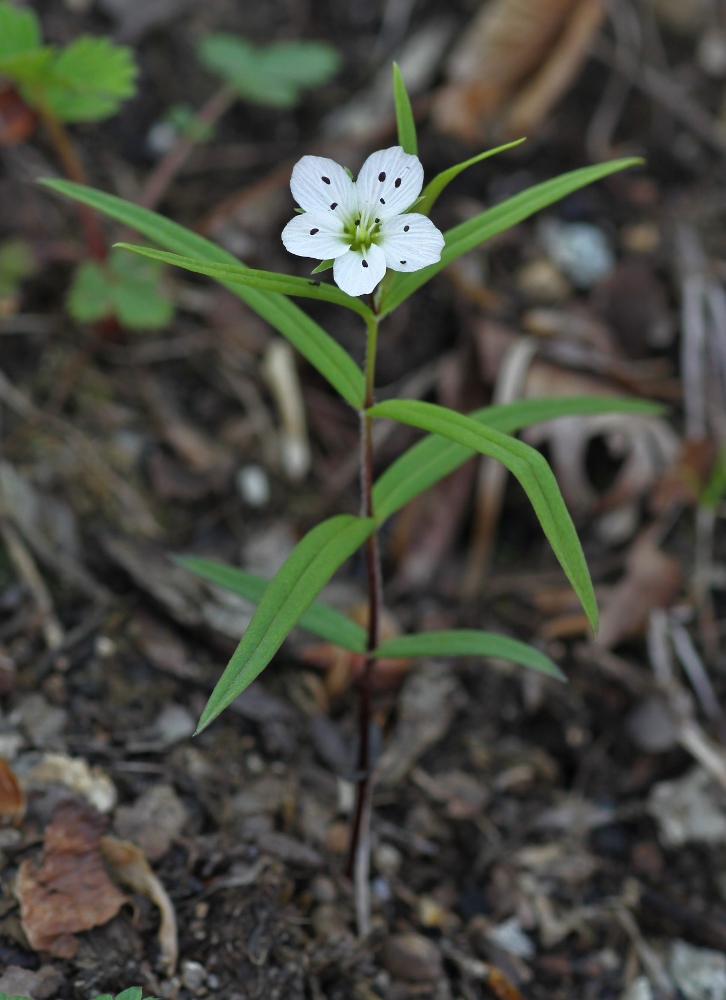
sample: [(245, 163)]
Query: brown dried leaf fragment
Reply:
[(12, 796), (128, 865), (67, 889)]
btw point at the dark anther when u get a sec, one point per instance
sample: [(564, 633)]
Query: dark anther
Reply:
[(334, 205), (406, 229), (383, 201), (365, 263), (402, 262), (382, 175), (314, 231), (398, 182), (326, 180), (376, 220), (357, 222)]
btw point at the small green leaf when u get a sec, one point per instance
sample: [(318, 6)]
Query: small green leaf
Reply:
[(434, 188), (404, 115), (134, 993), (186, 122), (124, 287), (526, 464), (715, 488), (325, 354), (324, 265), (434, 457), (268, 281), (288, 595), (89, 80), (16, 263), (320, 619), (469, 642), (274, 75), (482, 227), (4, 996), (19, 30)]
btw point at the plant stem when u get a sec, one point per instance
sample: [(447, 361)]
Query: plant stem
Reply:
[(73, 168), (359, 851), (168, 167)]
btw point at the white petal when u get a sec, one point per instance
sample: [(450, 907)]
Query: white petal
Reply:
[(315, 234), (359, 271), (321, 185), (410, 242), (389, 182)]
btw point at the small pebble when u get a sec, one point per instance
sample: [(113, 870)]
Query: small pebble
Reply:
[(387, 859), (699, 972), (174, 724), (412, 957), (641, 237), (540, 281), (160, 138), (193, 975), (579, 249), (253, 485), (639, 989), (711, 53)]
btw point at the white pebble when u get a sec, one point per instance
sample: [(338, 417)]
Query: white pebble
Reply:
[(253, 485)]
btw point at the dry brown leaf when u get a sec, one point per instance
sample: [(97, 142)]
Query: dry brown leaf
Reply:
[(66, 889), (652, 580), (12, 796), (538, 43), (128, 865)]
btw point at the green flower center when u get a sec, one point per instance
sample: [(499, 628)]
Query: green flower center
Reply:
[(362, 231)]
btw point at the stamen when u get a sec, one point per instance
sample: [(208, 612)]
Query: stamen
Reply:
[(325, 180), (314, 231), (382, 175), (398, 182), (376, 220), (357, 222)]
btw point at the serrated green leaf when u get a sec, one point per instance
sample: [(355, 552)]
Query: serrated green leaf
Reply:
[(404, 115), (89, 80), (19, 30), (288, 595), (469, 642), (28, 70), (273, 75), (482, 227), (125, 287), (323, 353), (434, 188), (434, 457), (268, 281), (526, 464), (320, 618)]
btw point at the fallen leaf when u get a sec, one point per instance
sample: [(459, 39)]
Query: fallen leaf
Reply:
[(12, 796), (652, 580), (75, 774), (66, 889), (128, 865)]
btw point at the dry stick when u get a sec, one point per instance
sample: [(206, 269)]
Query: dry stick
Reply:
[(359, 851), (169, 166)]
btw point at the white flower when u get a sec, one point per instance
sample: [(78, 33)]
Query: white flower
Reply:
[(362, 223)]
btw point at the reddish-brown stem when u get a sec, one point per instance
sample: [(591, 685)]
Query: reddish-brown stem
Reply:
[(74, 171), (168, 167)]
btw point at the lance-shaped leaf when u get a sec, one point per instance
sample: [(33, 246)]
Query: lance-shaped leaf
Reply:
[(482, 227), (469, 642), (286, 598), (434, 457), (404, 115), (320, 618), (434, 188), (526, 464), (267, 281), (323, 353)]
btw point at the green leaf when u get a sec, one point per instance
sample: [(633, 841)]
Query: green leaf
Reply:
[(404, 115), (125, 287), (482, 227), (89, 80), (134, 993), (4, 996), (715, 488), (323, 353), (469, 642), (434, 188), (268, 281), (434, 457), (19, 31), (324, 265), (526, 464), (274, 75), (320, 619), (16, 263), (304, 574)]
